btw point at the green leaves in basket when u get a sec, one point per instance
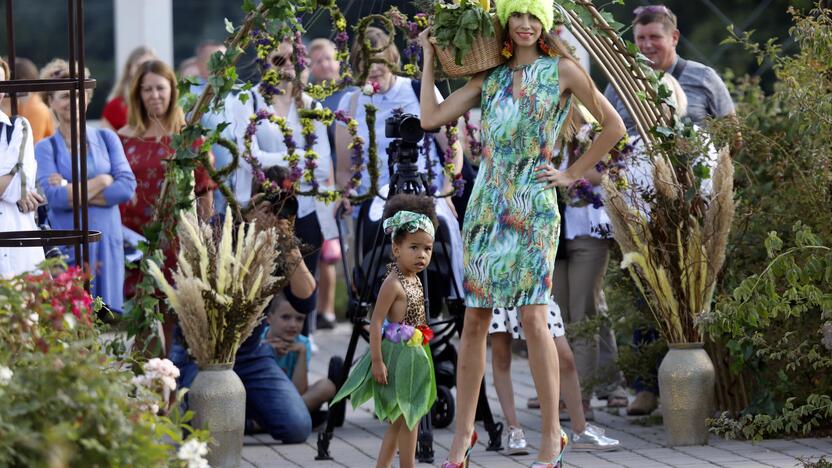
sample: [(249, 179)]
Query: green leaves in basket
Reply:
[(360, 373), (456, 27), (412, 369)]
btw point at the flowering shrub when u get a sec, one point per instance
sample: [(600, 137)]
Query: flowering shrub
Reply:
[(778, 323), (63, 400), (37, 312)]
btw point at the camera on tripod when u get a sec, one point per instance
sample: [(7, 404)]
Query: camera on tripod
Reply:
[(403, 153), (406, 131)]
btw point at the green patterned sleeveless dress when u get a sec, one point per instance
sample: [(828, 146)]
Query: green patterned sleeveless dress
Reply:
[(510, 234)]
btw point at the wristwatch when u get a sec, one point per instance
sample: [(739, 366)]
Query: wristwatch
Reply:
[(63, 182)]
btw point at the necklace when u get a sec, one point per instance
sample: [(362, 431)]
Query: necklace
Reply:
[(515, 68)]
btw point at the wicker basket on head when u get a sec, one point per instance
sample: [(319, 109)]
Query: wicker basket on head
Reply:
[(485, 54)]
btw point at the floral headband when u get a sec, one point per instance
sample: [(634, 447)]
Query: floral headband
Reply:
[(408, 221)]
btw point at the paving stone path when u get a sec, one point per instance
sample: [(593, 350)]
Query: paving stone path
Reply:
[(357, 442)]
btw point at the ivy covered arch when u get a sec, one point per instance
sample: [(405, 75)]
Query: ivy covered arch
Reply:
[(620, 62)]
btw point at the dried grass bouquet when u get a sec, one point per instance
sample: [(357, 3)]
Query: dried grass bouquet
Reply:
[(671, 219), (223, 282)]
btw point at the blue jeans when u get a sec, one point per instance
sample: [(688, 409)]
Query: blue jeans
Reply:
[(271, 398)]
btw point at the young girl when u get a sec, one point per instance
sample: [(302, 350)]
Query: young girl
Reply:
[(397, 372)]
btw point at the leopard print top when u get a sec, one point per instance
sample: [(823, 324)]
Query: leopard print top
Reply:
[(414, 314)]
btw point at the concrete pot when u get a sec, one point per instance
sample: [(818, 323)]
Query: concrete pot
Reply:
[(218, 399), (686, 384)]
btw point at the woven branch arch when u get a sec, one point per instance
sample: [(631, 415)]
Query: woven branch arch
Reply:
[(630, 78)]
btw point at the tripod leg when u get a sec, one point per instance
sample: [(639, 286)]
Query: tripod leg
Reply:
[(494, 429), (325, 436), (424, 446)]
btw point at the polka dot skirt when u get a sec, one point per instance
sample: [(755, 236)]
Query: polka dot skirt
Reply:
[(507, 321)]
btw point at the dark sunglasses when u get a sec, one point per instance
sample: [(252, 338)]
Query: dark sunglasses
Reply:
[(280, 60), (651, 10)]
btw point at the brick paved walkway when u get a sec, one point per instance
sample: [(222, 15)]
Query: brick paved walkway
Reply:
[(357, 442)]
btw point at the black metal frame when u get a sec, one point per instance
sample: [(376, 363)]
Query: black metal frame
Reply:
[(80, 236)]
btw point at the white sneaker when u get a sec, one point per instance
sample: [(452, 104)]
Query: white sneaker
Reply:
[(517, 444), (312, 345)]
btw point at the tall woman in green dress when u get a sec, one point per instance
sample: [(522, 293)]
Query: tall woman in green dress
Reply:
[(510, 232)]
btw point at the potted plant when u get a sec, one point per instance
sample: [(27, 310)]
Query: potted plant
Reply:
[(219, 291), (467, 36), (671, 212)]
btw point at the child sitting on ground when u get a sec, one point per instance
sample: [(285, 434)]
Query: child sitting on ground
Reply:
[(293, 353)]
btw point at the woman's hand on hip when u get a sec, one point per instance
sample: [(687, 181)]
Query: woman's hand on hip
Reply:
[(553, 177)]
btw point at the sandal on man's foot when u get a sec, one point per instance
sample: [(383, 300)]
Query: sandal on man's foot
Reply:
[(618, 398)]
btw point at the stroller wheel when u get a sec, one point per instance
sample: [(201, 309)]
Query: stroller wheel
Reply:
[(442, 413)]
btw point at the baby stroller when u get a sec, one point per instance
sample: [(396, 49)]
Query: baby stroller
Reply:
[(372, 251)]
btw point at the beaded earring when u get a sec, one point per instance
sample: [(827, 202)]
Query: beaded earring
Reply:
[(545, 47), (508, 49)]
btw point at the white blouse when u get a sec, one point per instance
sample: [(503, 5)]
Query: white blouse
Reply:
[(268, 148), (16, 260)]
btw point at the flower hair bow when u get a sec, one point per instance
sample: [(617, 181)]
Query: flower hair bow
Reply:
[(408, 221)]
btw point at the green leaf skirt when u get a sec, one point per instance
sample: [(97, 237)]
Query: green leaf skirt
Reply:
[(411, 383)]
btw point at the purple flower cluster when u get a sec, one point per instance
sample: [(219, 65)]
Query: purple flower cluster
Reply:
[(398, 332), (301, 59), (471, 131), (412, 50), (581, 194), (342, 39), (251, 130), (615, 164), (459, 186), (357, 156), (267, 89), (310, 164)]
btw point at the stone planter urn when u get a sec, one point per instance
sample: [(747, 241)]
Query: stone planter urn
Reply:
[(686, 384), (218, 399)]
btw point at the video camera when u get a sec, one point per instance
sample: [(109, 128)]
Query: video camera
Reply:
[(403, 153), (406, 129)]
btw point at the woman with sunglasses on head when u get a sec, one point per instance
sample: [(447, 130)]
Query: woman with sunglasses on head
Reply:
[(511, 225), (268, 145)]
